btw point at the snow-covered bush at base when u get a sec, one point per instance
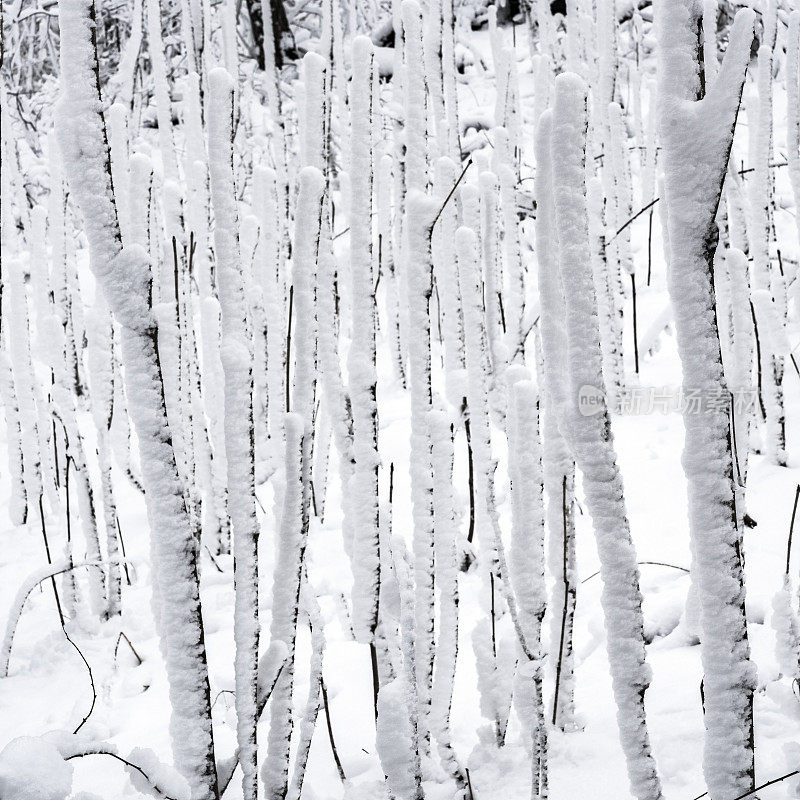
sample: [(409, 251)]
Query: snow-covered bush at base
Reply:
[(162, 780), (32, 768)]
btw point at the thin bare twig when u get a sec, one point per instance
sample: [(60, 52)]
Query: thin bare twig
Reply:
[(91, 680), (565, 579), (791, 528), (127, 764), (651, 563), (634, 218), (130, 645), (451, 193), (339, 767), (758, 788)]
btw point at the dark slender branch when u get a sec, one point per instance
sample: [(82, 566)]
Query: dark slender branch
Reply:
[(758, 788), (451, 193), (339, 767), (130, 645), (492, 615), (213, 560), (649, 246), (288, 347), (634, 218), (758, 362), (373, 657), (565, 578), (753, 169), (640, 563), (91, 680), (635, 332), (791, 529), (124, 555), (226, 769), (49, 561), (471, 473), (220, 693), (343, 231)]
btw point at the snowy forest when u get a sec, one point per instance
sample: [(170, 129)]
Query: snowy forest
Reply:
[(400, 399)]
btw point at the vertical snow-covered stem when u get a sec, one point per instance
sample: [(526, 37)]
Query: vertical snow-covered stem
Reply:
[(608, 309), (418, 268), (163, 102), (514, 272), (16, 312), (272, 70), (291, 542), (238, 368), (620, 171), (397, 737), (337, 401), (361, 362), (387, 262), (118, 142), (446, 274), (124, 276), (559, 468), (100, 356), (269, 279), (760, 230), (19, 498), (41, 349), (304, 267), (65, 390), (739, 370), (526, 556), (129, 57), (295, 514), (449, 80), (446, 528), (18, 503), (793, 108), (476, 350), (478, 370), (591, 441), (492, 270), (702, 124), (432, 42), (419, 217), (416, 156), (309, 719)]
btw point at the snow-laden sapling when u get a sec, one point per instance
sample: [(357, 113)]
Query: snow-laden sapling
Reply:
[(237, 364), (558, 464), (591, 442), (124, 276), (361, 363), (696, 122)]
